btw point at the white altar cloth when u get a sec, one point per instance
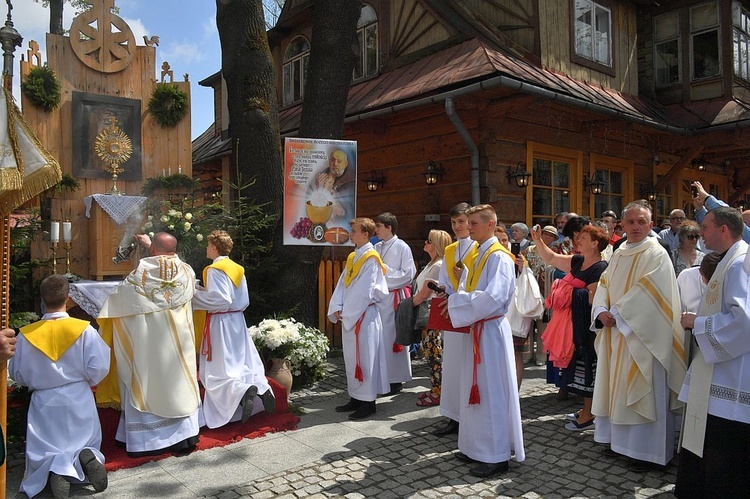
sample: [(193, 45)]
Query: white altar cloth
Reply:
[(120, 208)]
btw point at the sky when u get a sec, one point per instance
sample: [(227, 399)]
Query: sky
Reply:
[(188, 40)]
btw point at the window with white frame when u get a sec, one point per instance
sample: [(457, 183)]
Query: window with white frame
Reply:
[(667, 49), (741, 40), (296, 59), (593, 31), (704, 40), (367, 33)]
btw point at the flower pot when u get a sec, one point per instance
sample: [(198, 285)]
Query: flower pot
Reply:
[(281, 372)]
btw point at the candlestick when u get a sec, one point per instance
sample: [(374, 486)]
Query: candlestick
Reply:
[(54, 231), (54, 256), (67, 246), (67, 231)]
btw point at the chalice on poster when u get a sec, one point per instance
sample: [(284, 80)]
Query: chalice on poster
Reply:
[(113, 146)]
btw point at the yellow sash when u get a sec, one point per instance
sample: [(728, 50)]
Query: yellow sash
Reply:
[(54, 337), (475, 270), (352, 268), (235, 271), (451, 260)]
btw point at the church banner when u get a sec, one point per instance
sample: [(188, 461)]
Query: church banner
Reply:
[(320, 191)]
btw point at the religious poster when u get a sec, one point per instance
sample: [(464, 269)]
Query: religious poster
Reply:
[(320, 191)]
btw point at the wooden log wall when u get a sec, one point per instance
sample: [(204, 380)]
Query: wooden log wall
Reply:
[(160, 147)]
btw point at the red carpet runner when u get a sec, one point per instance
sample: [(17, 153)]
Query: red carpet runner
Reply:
[(256, 426)]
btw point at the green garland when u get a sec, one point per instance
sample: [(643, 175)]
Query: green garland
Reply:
[(168, 105), (175, 182), (42, 88)]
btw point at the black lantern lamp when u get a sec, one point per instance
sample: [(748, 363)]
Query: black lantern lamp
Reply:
[(434, 173), (519, 174), (594, 184), (374, 181)]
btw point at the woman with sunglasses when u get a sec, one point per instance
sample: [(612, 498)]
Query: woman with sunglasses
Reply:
[(687, 253)]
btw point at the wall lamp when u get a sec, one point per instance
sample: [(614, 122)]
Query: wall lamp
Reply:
[(595, 184), (741, 205), (649, 192), (374, 181), (519, 174), (699, 164), (434, 173)]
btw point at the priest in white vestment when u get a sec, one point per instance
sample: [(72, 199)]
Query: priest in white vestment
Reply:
[(148, 319), (400, 272), (361, 286), (490, 414), (641, 359), (458, 257), (60, 359), (231, 370), (716, 426)]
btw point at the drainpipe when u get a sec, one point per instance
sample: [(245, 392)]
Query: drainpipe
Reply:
[(450, 110)]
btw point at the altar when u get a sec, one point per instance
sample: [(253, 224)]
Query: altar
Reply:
[(114, 222)]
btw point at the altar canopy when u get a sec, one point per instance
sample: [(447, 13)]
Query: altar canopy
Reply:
[(26, 168)]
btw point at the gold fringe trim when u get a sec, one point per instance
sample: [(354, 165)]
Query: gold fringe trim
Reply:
[(110, 405), (10, 179), (41, 179)]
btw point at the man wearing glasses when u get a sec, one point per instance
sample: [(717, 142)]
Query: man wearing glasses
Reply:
[(677, 218)]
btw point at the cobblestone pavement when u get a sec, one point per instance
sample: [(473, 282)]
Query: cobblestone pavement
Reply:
[(391, 455)]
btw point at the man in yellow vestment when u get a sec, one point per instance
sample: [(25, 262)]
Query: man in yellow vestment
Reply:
[(148, 321), (641, 360)]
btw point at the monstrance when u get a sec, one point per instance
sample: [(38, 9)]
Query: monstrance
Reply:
[(113, 146)]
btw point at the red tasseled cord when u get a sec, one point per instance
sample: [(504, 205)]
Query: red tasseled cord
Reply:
[(397, 348), (358, 369), (476, 333)]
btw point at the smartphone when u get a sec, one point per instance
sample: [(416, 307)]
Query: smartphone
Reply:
[(515, 248), (694, 190)]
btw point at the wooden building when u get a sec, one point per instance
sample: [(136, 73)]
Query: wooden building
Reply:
[(635, 98)]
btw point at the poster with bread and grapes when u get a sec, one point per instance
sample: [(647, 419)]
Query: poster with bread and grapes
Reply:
[(320, 191)]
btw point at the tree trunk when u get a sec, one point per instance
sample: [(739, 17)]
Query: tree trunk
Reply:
[(248, 70), (56, 17)]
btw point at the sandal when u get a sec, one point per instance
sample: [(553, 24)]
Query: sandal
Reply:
[(429, 400), (424, 394)]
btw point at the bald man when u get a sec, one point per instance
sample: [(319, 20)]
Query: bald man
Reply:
[(148, 322)]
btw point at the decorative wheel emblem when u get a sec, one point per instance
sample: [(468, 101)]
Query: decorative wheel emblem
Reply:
[(95, 42)]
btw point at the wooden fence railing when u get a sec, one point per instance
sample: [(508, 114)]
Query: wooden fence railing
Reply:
[(328, 275)]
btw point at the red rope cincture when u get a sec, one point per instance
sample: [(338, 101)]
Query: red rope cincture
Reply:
[(476, 335), (358, 368), (206, 341)]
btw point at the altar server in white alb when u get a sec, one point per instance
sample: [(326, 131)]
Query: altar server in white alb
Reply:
[(60, 358), (716, 426), (639, 347), (361, 286), (148, 322), (490, 415), (458, 257), (231, 370), (400, 271)]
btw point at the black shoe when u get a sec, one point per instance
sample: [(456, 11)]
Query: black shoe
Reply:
[(395, 388), (93, 469), (463, 457), (269, 401), (350, 406), (608, 452), (485, 470), (247, 402), (638, 466), (450, 428), (365, 409), (59, 486)]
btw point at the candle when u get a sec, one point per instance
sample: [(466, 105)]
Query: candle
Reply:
[(54, 231), (179, 169), (163, 172), (170, 169), (67, 231)]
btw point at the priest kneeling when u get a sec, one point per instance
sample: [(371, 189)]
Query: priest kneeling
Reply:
[(148, 322)]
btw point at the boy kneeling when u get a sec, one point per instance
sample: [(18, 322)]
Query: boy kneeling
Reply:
[(60, 358), (360, 287)]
